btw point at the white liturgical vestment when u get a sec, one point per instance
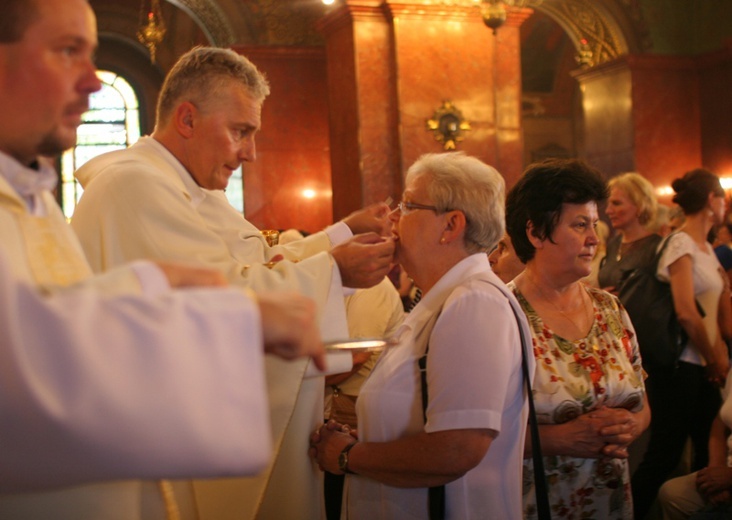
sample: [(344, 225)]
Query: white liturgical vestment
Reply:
[(90, 388), (142, 203)]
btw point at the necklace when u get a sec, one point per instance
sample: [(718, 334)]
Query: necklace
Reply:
[(623, 248), (583, 303)]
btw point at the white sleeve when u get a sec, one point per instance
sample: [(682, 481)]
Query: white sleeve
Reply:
[(99, 387), (130, 214), (338, 232), (476, 345), (679, 244), (151, 278)]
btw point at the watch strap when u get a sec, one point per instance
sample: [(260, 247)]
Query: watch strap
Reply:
[(343, 459)]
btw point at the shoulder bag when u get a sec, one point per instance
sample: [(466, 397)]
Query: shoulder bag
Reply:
[(650, 305)]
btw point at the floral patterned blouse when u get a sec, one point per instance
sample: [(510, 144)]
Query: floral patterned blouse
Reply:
[(574, 378)]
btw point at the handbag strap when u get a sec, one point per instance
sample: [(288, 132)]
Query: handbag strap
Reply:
[(540, 485), (660, 251), (437, 493)]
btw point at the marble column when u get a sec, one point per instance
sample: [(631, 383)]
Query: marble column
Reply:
[(642, 113)]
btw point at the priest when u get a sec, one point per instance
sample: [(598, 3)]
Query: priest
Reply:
[(163, 198)]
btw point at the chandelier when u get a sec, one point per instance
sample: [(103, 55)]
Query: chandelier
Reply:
[(152, 26), (494, 12)]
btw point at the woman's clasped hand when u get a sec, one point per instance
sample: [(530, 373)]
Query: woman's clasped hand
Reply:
[(605, 432), (327, 443)]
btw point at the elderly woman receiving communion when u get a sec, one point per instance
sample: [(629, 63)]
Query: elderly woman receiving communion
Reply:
[(471, 436)]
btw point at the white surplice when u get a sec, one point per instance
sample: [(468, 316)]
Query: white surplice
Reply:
[(100, 383)]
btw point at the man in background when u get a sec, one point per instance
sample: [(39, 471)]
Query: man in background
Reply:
[(504, 261)]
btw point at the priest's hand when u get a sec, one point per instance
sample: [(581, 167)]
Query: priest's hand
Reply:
[(371, 219), (289, 327), (182, 275), (364, 260)]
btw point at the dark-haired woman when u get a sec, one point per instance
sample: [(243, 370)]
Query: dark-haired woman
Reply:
[(588, 388), (693, 397)]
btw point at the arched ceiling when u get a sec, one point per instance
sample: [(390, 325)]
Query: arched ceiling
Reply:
[(211, 18), (600, 30), (256, 22)]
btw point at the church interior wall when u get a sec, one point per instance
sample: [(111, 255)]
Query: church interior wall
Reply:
[(293, 150), (348, 109)]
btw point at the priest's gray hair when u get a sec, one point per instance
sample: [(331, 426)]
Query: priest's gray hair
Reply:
[(456, 181), (200, 72)]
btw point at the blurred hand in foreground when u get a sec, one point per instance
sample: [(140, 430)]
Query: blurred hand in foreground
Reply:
[(290, 328), (182, 275)]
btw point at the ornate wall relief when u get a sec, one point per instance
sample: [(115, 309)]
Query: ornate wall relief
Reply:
[(594, 32), (210, 18)]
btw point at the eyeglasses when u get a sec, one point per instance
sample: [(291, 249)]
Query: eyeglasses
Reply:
[(407, 207)]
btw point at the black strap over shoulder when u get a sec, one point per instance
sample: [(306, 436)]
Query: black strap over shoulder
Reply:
[(542, 491), (437, 494)]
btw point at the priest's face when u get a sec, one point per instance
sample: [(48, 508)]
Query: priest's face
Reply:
[(46, 78), (222, 135)]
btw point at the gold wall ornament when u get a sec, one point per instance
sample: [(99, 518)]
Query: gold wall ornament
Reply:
[(584, 57), (152, 26), (594, 32), (448, 124)]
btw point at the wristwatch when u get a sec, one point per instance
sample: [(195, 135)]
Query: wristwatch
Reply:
[(343, 459)]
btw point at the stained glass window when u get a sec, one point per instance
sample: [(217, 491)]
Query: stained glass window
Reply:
[(112, 123), (235, 190)]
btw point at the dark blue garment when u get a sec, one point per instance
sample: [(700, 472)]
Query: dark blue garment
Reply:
[(724, 255)]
